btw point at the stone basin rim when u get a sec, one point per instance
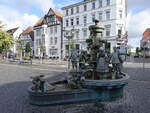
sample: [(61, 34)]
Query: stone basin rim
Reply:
[(124, 78), (107, 83)]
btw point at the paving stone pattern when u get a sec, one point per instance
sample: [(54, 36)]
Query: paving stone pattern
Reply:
[(14, 81)]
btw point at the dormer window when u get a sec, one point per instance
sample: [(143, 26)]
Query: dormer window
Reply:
[(50, 19)]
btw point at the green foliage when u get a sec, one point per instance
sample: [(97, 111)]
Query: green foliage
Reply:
[(6, 41), (27, 48), (138, 50), (1, 25), (42, 49), (26, 58)]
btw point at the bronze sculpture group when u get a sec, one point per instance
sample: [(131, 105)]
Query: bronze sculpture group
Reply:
[(96, 74), (100, 62)]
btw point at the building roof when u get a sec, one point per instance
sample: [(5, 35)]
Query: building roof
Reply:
[(11, 31), (76, 4), (58, 14), (29, 31), (146, 34), (39, 22)]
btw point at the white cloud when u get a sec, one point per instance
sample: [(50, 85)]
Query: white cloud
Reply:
[(137, 23), (138, 4), (12, 18), (43, 5)]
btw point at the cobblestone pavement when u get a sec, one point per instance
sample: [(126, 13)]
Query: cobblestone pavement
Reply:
[(15, 79)]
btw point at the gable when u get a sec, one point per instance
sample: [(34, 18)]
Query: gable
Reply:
[(50, 13)]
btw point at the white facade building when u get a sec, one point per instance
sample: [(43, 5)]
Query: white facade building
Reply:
[(27, 37), (15, 32), (79, 16), (48, 35)]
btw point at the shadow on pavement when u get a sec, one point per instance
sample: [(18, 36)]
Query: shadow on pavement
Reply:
[(14, 99)]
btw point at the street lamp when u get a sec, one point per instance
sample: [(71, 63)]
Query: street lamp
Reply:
[(69, 36)]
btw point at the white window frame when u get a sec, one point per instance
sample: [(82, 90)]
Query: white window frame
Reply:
[(100, 3), (108, 30), (108, 14), (100, 16), (77, 21), (108, 2)]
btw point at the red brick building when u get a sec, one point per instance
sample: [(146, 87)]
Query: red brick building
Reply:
[(145, 42)]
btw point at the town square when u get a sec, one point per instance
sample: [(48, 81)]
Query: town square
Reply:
[(82, 56)]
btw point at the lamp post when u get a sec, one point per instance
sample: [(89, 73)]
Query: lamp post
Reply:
[(69, 36), (144, 53)]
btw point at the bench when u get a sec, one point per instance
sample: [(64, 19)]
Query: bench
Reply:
[(25, 61)]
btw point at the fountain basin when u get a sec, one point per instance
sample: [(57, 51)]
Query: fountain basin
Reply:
[(116, 83), (95, 90)]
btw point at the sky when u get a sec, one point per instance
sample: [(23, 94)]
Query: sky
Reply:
[(26, 13)]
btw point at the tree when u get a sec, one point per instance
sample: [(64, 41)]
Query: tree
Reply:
[(1, 25), (138, 50), (28, 48), (6, 41)]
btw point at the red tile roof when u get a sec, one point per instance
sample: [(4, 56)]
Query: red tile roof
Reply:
[(146, 34), (58, 14), (39, 22), (28, 30)]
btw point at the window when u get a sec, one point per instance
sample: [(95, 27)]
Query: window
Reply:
[(93, 17), (55, 40), (85, 7), (108, 2), (77, 9), (72, 21), (67, 23), (85, 33), (100, 16), (77, 21), (100, 3), (107, 15), (51, 40), (72, 11), (51, 19), (67, 12), (43, 41), (108, 29), (40, 41), (51, 30), (37, 42), (53, 51), (77, 34), (120, 14), (55, 29), (85, 20), (38, 32), (119, 33), (93, 5)]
